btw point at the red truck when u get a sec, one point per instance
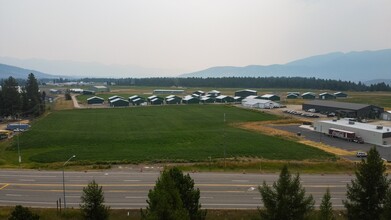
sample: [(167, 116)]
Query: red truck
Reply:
[(343, 134)]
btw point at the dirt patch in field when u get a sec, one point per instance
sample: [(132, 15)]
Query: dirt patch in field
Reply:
[(264, 127)]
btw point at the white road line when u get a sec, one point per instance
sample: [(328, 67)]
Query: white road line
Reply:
[(27, 180), (206, 197), (241, 181), (136, 197), (14, 195), (132, 180)]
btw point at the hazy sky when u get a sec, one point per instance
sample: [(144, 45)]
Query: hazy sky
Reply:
[(189, 35)]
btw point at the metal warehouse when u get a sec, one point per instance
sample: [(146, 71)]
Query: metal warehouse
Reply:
[(246, 92), (372, 134), (259, 103), (95, 100), (344, 109)]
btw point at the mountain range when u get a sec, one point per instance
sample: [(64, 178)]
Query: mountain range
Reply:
[(353, 66), (364, 66)]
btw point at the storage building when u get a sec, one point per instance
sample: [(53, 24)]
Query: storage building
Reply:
[(246, 92), (190, 100), (95, 100), (224, 99), (168, 91), (100, 89), (340, 95), (308, 95), (271, 97), (199, 93), (131, 98), (372, 134), (214, 93), (292, 96), (206, 99), (326, 96), (259, 103), (88, 92), (344, 109), (156, 101), (386, 116), (173, 99), (238, 99), (138, 101), (114, 97), (119, 102)]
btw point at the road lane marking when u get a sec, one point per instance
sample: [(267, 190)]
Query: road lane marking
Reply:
[(132, 180), (136, 197), (206, 197), (27, 180), (4, 186), (15, 195), (241, 181)]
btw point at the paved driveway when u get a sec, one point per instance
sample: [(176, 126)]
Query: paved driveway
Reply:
[(335, 142)]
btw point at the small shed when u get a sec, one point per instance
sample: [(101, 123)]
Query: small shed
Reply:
[(271, 97), (95, 100), (190, 100), (88, 92), (224, 99), (326, 96), (246, 92), (308, 95), (340, 95), (138, 101), (214, 93), (156, 101), (119, 102), (292, 96), (199, 93)]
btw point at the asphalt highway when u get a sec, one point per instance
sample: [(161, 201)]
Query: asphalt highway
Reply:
[(125, 189)]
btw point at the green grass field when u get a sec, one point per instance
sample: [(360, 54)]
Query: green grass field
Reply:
[(161, 133)]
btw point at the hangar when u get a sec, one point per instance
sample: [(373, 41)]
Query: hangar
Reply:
[(372, 134), (344, 109), (259, 103), (246, 92), (95, 100), (271, 97)]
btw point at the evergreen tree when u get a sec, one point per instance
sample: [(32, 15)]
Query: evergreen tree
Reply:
[(34, 100), (326, 207), (174, 197), (92, 205), (22, 213), (367, 192), (11, 101), (285, 199), (387, 206)]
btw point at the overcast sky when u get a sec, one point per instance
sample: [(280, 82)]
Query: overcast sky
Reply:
[(190, 35)]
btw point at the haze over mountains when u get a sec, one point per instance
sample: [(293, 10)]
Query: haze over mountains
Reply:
[(353, 66), (372, 66)]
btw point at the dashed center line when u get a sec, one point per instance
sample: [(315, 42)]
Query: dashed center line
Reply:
[(4, 186)]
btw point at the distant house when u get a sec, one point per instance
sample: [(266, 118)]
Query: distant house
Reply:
[(308, 95), (199, 93), (259, 103), (214, 93), (95, 100), (206, 99), (326, 96), (244, 93), (340, 95), (224, 99), (88, 92), (138, 101), (173, 99), (292, 96), (190, 100), (271, 97), (119, 102)]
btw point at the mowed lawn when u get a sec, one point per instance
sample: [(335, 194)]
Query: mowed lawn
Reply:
[(155, 133)]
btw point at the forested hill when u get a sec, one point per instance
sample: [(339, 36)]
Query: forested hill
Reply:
[(20, 73), (247, 82)]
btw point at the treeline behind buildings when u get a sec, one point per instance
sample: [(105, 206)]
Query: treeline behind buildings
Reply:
[(247, 82)]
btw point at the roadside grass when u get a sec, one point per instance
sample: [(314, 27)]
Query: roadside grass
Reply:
[(133, 214), (154, 134)]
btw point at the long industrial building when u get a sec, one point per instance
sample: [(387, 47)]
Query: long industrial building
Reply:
[(372, 134), (344, 109)]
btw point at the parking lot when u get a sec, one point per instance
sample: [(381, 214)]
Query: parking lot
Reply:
[(335, 142)]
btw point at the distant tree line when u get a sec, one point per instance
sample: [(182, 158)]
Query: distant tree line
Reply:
[(16, 100), (246, 82)]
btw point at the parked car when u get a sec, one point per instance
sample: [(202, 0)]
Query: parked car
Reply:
[(361, 154)]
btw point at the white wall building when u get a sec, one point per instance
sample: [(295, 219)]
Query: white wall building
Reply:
[(259, 103), (372, 134)]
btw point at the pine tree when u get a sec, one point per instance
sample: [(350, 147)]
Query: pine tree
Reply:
[(367, 192), (174, 197), (387, 206), (11, 101), (326, 207), (92, 205), (34, 100), (285, 199)]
